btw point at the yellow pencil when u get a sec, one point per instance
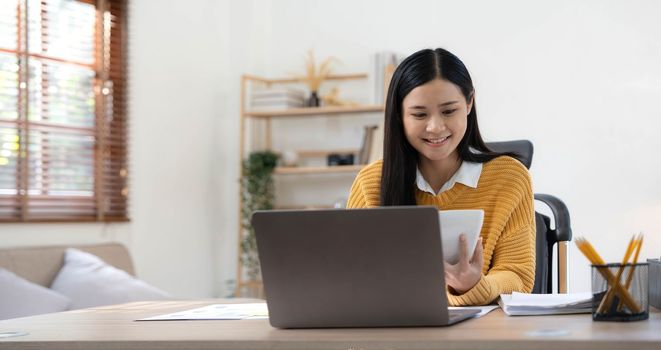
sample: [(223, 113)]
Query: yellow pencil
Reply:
[(608, 298), (627, 284)]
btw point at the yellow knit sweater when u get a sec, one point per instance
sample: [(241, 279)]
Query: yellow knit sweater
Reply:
[(504, 192)]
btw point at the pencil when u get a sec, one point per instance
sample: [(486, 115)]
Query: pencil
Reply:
[(627, 284), (608, 298)]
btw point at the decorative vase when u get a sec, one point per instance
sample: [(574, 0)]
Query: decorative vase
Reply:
[(313, 100)]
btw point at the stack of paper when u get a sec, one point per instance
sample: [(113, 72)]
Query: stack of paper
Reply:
[(545, 304)]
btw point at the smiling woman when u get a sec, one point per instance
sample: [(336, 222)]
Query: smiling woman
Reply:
[(434, 155)]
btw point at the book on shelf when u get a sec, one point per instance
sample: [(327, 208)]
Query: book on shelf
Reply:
[(276, 98), (277, 92), (275, 104), (376, 148), (377, 74), (366, 146)]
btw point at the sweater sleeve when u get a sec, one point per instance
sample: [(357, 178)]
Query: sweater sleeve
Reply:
[(513, 261), (357, 194), (366, 188)]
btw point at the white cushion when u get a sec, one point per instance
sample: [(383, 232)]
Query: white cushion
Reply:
[(88, 282), (20, 297)]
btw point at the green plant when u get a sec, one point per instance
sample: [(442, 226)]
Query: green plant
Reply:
[(257, 194)]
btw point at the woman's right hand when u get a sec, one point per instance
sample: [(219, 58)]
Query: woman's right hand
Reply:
[(465, 274)]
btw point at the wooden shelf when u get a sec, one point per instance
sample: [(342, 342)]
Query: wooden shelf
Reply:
[(318, 170), (325, 153), (312, 111), (298, 80), (304, 207)]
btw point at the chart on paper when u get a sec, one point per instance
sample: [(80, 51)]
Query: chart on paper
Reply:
[(249, 311)]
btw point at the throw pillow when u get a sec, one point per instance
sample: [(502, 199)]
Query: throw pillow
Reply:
[(20, 297), (88, 281)]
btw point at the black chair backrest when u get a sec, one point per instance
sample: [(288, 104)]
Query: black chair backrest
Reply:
[(521, 147)]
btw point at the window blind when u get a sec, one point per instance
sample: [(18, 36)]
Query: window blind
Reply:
[(63, 122)]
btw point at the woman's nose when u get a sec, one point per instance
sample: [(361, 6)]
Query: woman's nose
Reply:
[(435, 124)]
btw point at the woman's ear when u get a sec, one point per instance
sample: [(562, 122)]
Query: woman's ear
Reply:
[(469, 106)]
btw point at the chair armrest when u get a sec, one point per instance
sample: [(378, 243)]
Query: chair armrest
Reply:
[(560, 216)]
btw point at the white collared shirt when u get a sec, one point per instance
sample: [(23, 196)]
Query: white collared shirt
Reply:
[(467, 174)]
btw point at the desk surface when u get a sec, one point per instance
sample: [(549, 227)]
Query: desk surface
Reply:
[(114, 328)]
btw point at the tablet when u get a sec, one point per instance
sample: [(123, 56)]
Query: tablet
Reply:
[(455, 222)]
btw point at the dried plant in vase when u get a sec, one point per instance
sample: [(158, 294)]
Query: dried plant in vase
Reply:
[(314, 76), (333, 99)]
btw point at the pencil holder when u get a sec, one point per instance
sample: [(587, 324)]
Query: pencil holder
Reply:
[(620, 292)]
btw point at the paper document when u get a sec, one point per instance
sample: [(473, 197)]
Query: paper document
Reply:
[(250, 311), (545, 304), (483, 309)]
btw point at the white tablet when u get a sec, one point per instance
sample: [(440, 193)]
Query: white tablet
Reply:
[(455, 222)]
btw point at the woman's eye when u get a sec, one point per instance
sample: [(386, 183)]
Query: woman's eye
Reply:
[(419, 115), (449, 111)]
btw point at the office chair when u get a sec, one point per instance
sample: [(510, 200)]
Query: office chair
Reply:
[(546, 237)]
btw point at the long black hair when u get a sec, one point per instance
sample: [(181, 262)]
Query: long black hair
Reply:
[(400, 159)]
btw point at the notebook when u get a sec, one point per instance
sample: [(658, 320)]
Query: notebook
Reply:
[(379, 267)]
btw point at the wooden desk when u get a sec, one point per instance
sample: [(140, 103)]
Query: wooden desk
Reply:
[(114, 328)]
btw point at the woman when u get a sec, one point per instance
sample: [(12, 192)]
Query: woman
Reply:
[(434, 155)]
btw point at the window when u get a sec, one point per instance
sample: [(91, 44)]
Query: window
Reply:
[(63, 125)]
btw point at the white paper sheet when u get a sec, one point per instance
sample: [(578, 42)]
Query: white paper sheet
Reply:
[(253, 311), (250, 311), (551, 300), (483, 309), (545, 304)]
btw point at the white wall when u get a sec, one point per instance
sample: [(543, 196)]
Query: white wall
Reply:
[(177, 69), (578, 78)]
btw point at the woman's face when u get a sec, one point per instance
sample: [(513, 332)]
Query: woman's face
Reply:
[(435, 117)]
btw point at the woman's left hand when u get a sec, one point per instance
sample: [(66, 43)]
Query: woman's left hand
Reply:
[(465, 274)]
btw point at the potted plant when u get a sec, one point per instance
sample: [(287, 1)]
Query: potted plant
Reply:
[(257, 193)]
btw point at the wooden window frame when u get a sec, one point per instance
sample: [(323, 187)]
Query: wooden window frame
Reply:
[(109, 199)]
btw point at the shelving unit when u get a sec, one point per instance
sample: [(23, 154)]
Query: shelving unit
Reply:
[(317, 170), (253, 288), (308, 111)]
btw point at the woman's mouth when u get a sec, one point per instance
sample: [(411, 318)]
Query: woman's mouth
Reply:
[(435, 142)]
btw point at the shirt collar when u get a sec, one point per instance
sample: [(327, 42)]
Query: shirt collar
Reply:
[(467, 174)]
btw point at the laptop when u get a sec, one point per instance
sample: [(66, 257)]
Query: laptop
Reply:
[(378, 267)]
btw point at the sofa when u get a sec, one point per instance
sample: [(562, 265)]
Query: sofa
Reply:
[(36, 280), (41, 264)]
